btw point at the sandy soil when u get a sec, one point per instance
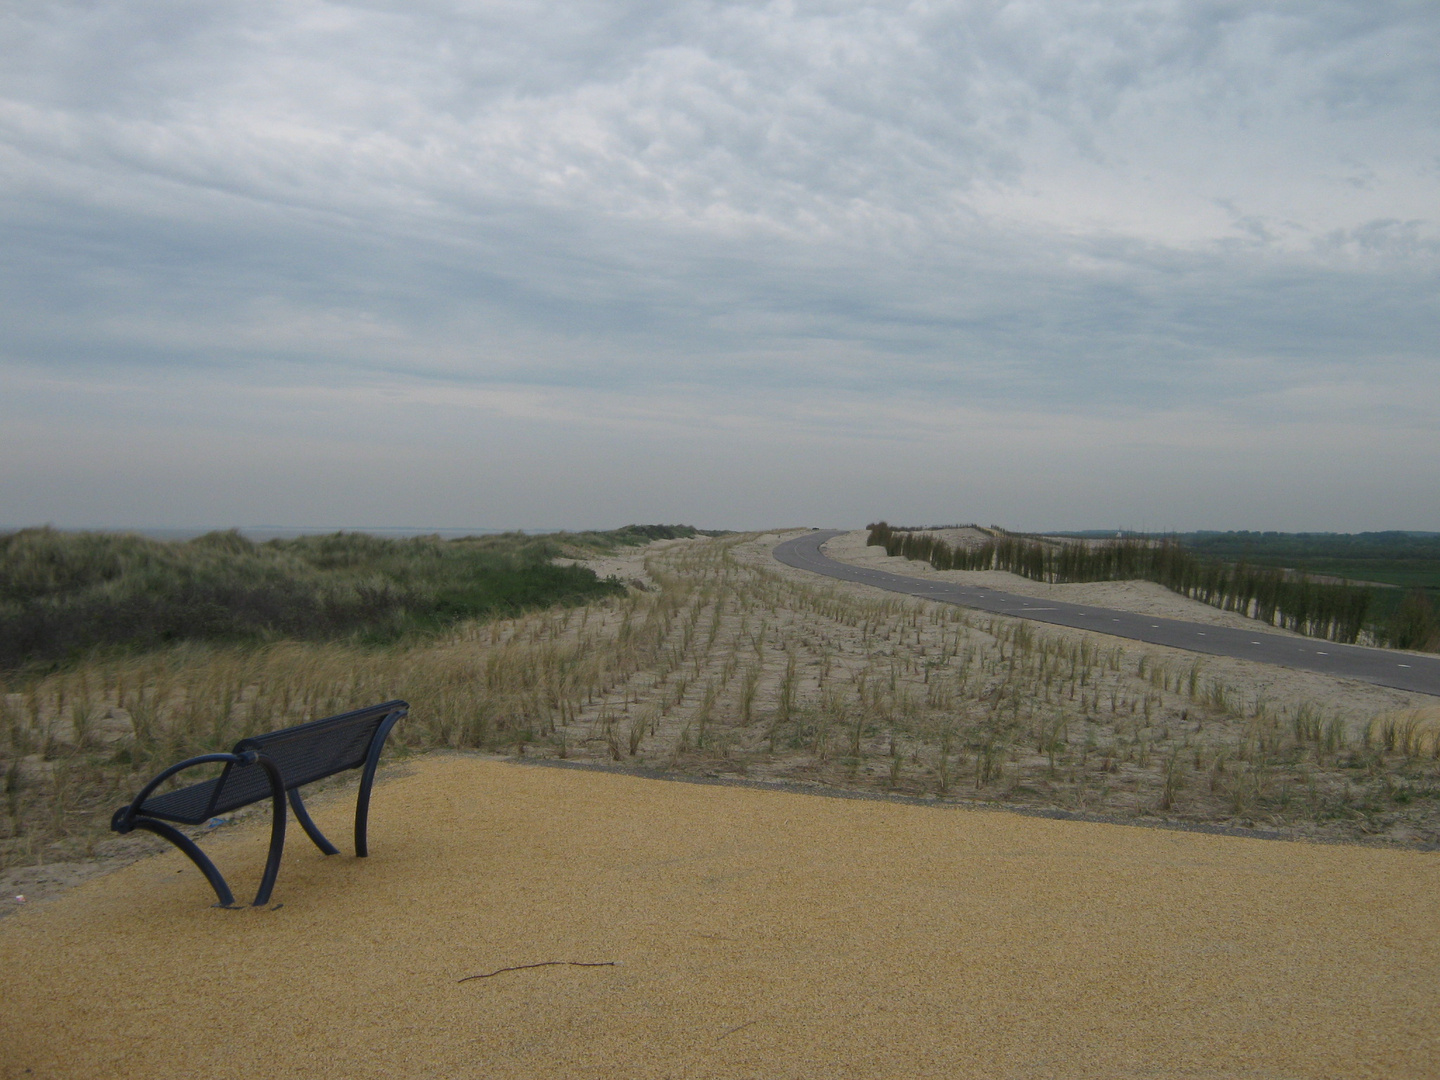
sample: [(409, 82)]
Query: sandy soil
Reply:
[(1141, 597), (628, 564), (743, 933)]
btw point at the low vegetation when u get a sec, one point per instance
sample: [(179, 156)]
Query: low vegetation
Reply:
[(66, 594), (727, 665), (1407, 560)]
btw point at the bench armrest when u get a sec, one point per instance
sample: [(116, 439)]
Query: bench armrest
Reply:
[(122, 821), (129, 818)]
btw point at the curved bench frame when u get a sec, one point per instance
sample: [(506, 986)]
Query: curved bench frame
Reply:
[(362, 800), (250, 751), (129, 818)]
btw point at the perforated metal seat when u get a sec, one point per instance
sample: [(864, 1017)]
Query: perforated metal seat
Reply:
[(188, 805)]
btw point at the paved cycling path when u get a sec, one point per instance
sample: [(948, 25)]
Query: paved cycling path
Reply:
[(1404, 671)]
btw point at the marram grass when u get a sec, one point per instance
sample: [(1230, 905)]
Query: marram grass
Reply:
[(727, 666)]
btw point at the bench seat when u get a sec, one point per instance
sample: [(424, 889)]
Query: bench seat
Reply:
[(187, 805)]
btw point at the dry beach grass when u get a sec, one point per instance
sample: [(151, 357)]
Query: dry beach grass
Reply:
[(727, 663), (744, 933)]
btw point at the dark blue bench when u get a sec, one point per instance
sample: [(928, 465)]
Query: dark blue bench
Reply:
[(271, 766)]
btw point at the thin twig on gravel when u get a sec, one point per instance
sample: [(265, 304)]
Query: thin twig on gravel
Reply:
[(739, 1027), (543, 963)]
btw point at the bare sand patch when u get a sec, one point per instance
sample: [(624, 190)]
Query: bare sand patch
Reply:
[(1140, 597), (754, 933), (628, 565)]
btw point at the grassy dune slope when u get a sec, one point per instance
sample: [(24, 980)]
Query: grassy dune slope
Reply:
[(729, 664), (65, 594)]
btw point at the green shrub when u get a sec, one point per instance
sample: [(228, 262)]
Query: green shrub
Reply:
[(64, 594)]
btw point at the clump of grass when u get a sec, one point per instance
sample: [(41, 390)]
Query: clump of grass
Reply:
[(749, 687), (1414, 733)]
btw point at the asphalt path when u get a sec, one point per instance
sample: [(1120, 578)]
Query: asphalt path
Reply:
[(1402, 670)]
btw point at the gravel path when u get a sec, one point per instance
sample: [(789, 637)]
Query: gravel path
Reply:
[(629, 927)]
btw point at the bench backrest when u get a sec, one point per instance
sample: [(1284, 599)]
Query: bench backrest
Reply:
[(304, 753)]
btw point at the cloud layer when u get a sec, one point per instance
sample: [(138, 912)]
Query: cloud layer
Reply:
[(1153, 264)]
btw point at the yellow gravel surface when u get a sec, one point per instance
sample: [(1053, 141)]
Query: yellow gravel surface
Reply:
[(752, 934)]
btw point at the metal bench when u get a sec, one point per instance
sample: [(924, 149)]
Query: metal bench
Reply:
[(268, 766)]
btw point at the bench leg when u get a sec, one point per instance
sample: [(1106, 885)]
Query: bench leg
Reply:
[(277, 830), (193, 853), (311, 829), (367, 781)]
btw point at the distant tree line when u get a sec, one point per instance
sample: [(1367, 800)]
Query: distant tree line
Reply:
[(1336, 612)]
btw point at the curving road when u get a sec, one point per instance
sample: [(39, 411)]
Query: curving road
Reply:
[(1404, 671)]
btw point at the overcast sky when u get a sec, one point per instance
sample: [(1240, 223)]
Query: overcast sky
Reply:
[(525, 264)]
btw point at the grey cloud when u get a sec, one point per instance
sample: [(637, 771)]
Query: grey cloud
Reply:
[(1071, 209)]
